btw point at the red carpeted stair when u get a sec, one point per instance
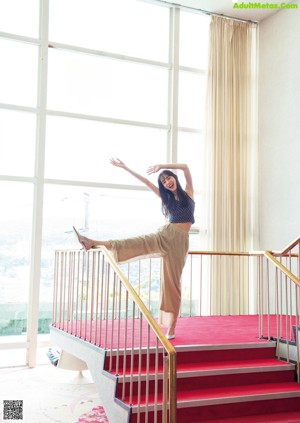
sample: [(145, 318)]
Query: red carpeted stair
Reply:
[(230, 383)]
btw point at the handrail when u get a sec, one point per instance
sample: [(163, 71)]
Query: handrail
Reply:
[(283, 268), (290, 246), (158, 332), (226, 253), (286, 302)]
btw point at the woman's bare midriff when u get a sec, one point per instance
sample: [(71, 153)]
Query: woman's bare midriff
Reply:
[(186, 226)]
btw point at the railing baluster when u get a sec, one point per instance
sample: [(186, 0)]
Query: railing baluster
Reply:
[(156, 381), (55, 289), (81, 292), (147, 373), (125, 346), (119, 296), (140, 367), (165, 388), (112, 321), (103, 278), (92, 294), (72, 291), (77, 290), (64, 291), (132, 353), (97, 297), (150, 284), (106, 304)]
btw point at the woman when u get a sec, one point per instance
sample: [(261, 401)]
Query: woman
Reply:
[(171, 241)]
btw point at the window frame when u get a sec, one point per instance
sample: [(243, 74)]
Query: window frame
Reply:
[(39, 181)]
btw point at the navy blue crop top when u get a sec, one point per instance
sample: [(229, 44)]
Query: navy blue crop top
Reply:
[(181, 213)]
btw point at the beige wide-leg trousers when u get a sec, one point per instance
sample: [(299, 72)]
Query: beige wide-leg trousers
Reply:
[(171, 243)]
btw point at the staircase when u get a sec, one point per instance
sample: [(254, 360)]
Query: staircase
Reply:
[(229, 383), (97, 313)]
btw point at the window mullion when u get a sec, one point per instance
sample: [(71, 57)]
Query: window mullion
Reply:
[(34, 289), (173, 84)]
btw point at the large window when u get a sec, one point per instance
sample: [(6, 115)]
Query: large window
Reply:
[(82, 81), (79, 149)]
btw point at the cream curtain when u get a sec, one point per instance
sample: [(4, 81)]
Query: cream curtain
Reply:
[(231, 139)]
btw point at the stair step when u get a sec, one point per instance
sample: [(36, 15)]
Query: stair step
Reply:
[(224, 353), (241, 393), (244, 412), (254, 409), (212, 368), (196, 354), (229, 382), (257, 411), (287, 417), (204, 397), (200, 383)]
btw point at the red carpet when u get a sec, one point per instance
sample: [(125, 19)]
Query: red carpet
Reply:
[(225, 371), (204, 330)]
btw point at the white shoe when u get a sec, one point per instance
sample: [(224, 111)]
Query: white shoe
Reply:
[(82, 240), (170, 337)]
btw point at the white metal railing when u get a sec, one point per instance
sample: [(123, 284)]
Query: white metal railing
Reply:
[(281, 293), (220, 283), (113, 306), (263, 283), (236, 283), (94, 301), (213, 283)]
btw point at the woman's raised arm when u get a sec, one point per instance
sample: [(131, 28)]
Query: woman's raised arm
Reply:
[(118, 163)]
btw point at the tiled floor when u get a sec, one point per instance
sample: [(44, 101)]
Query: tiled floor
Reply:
[(49, 394)]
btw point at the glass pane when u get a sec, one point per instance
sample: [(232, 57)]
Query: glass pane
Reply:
[(80, 150), (192, 91), (118, 26), (15, 239), (93, 85), (17, 143), (18, 73), (20, 17), (195, 238), (191, 150), (100, 213), (193, 43)]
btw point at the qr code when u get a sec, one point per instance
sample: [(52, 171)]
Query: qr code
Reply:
[(12, 409)]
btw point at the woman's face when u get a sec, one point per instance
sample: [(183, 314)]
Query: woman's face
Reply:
[(169, 182)]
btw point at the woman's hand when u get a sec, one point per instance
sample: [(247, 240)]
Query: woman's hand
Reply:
[(117, 163), (153, 169)]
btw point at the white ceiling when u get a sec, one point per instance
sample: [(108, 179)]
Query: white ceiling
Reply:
[(226, 7)]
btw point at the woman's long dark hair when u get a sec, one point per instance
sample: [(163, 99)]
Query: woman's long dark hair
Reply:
[(168, 201)]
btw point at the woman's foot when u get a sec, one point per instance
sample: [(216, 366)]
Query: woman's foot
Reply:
[(170, 336), (84, 241), (171, 329)]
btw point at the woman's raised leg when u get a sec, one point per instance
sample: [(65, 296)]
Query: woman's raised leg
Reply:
[(88, 243)]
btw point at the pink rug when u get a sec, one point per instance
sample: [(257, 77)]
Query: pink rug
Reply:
[(97, 415)]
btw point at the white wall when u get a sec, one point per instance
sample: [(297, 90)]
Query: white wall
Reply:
[(279, 129)]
